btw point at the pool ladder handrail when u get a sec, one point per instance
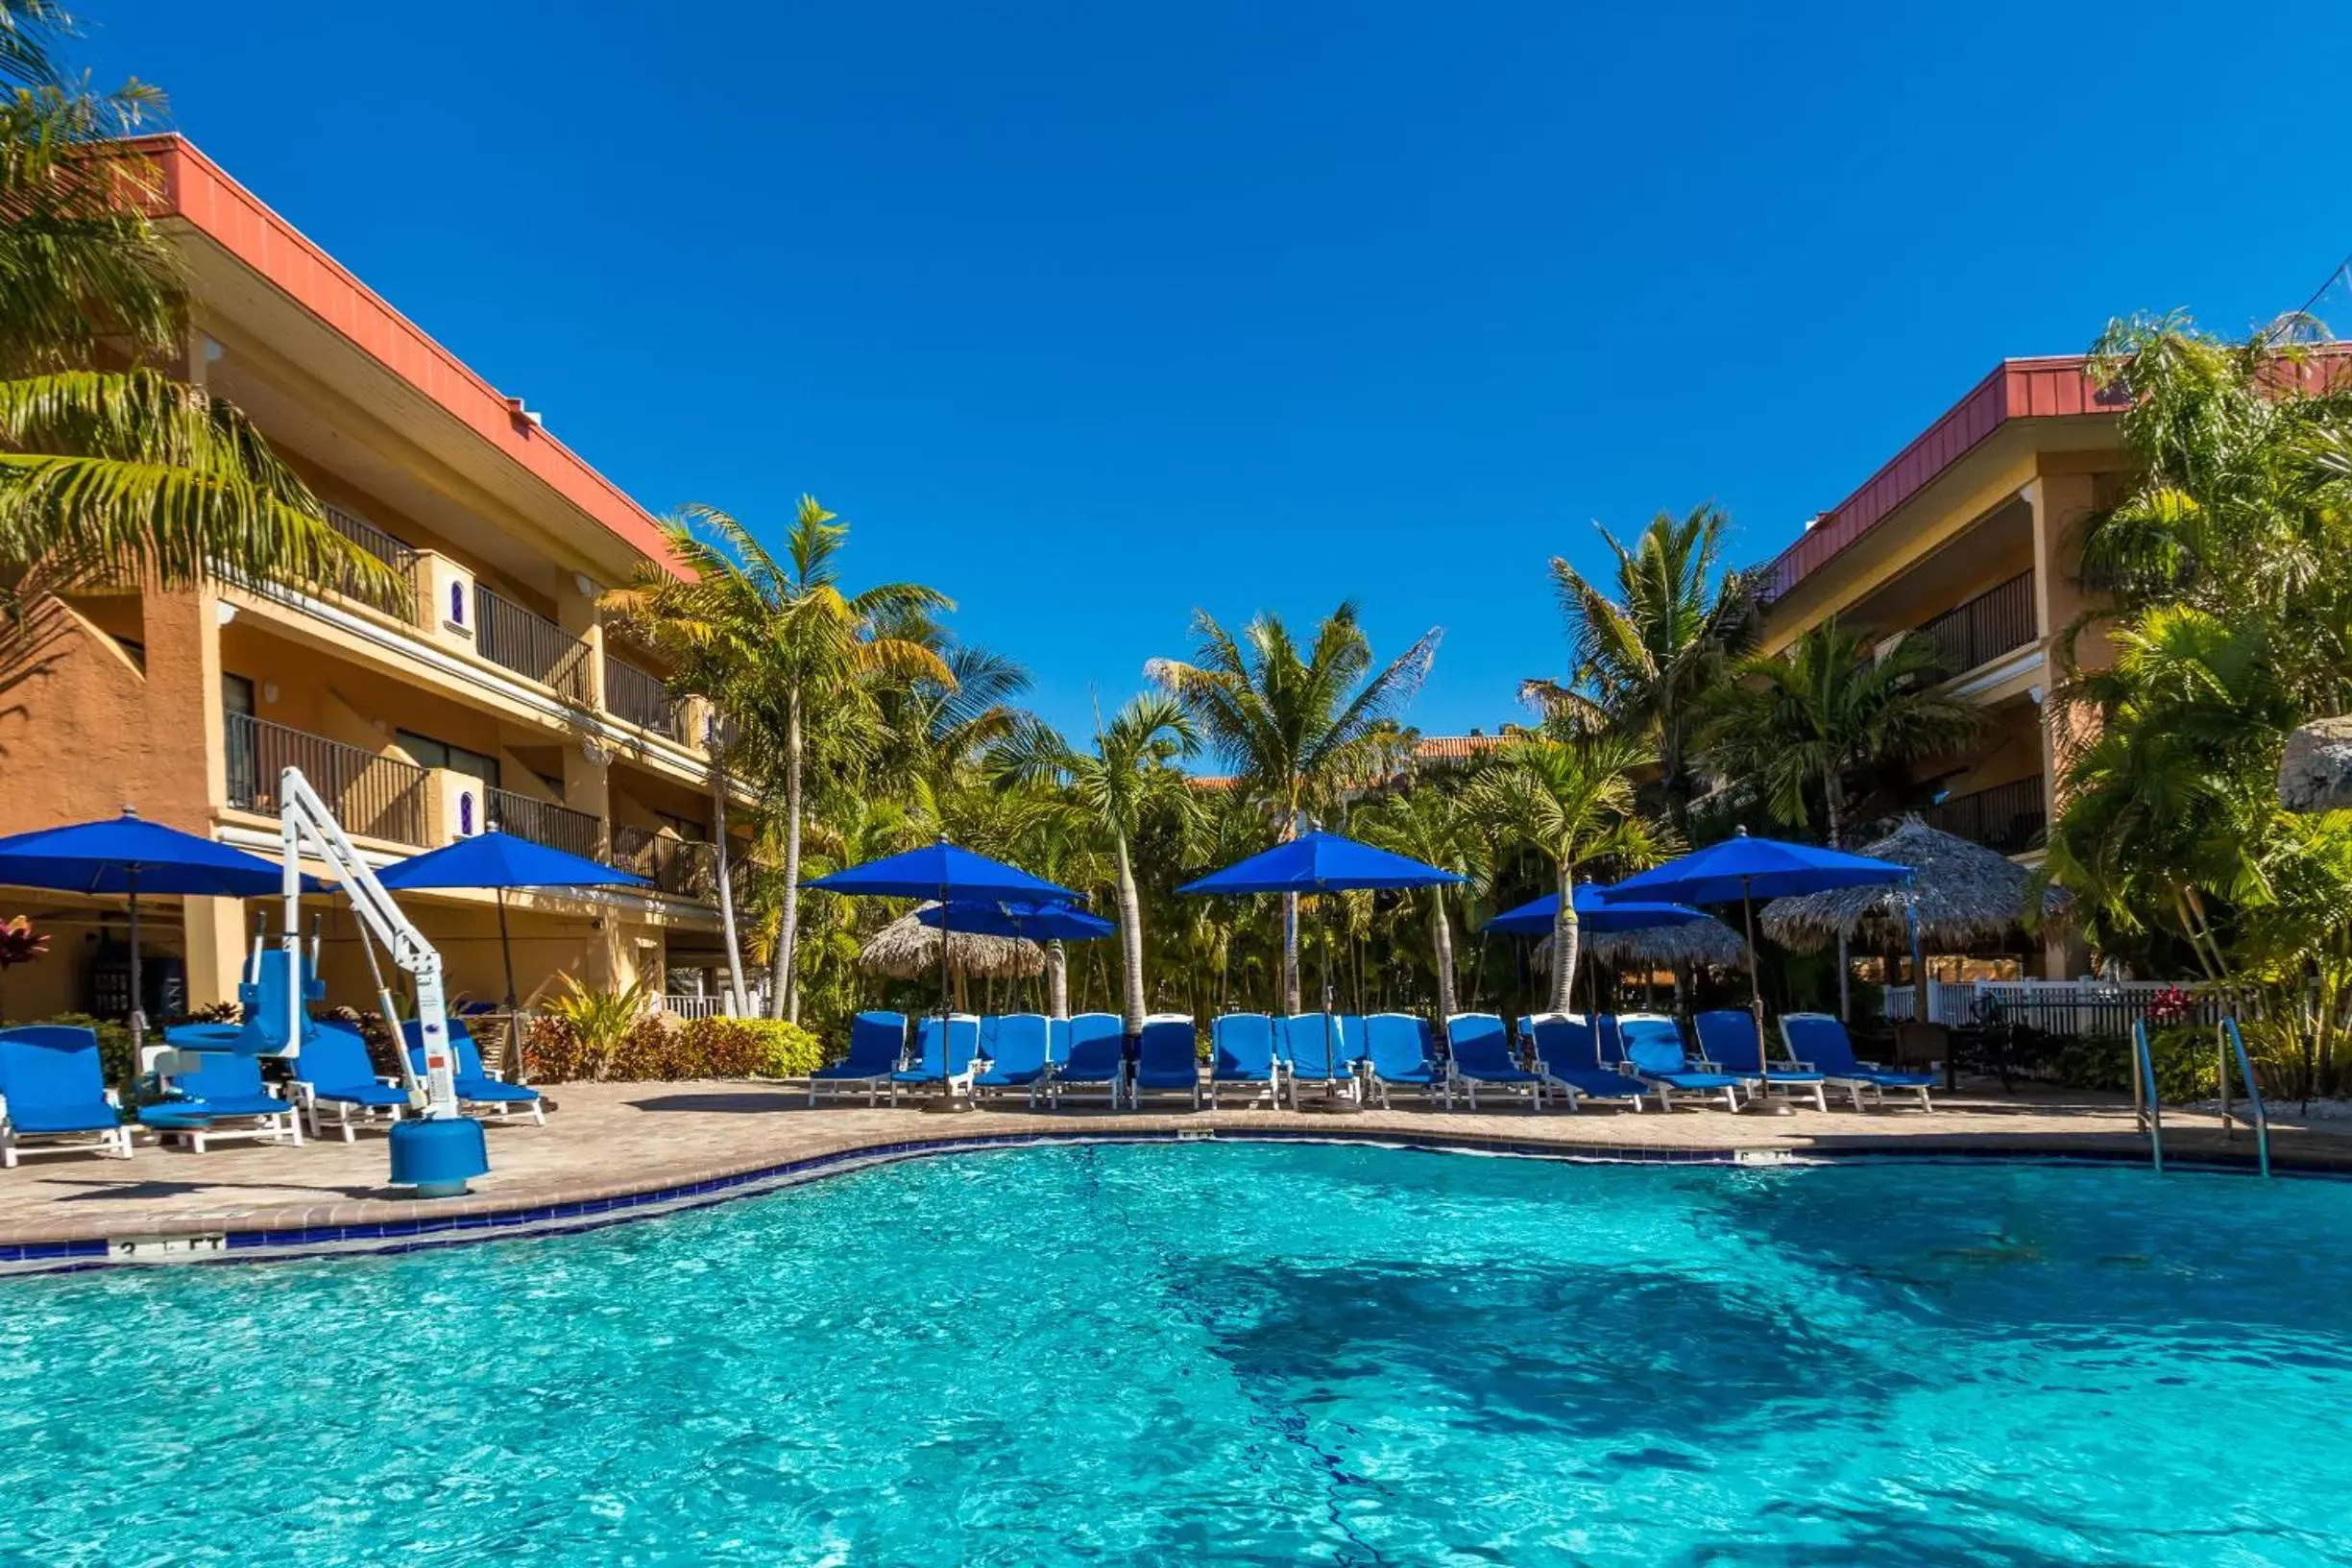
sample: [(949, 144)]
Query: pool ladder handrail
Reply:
[(2146, 1107), (2234, 1043)]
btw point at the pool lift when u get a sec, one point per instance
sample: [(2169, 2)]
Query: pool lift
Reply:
[(437, 1153)]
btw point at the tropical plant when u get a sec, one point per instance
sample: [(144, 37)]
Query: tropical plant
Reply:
[(19, 944), (599, 1018), (778, 644), (1569, 797), (1650, 655), (1299, 727), (1437, 827), (1130, 778), (123, 473)]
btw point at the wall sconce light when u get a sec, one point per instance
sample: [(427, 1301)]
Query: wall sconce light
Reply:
[(269, 692)]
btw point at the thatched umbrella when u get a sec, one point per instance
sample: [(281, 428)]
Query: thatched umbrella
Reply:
[(1961, 893), (907, 948), (1707, 941)]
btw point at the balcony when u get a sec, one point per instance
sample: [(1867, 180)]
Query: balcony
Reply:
[(544, 822), (372, 795), (641, 698), (684, 868), (2009, 818), (1999, 620), (532, 645)]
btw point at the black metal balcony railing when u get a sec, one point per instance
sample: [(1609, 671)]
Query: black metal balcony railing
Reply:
[(544, 822), (391, 551), (377, 796), (529, 644), (685, 867), (2010, 818), (1999, 620), (643, 699)]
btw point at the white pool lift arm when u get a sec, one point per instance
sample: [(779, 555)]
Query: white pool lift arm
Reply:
[(306, 824)]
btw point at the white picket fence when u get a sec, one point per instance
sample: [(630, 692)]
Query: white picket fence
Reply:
[(2060, 1006), (687, 1006)]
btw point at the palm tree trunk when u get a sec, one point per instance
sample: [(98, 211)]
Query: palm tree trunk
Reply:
[(726, 889), (1130, 938), (1565, 935), (1442, 946), (1056, 981), (783, 996), (1836, 797)]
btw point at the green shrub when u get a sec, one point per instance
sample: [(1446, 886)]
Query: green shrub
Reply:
[(552, 1053), (659, 1048), (2182, 1056)]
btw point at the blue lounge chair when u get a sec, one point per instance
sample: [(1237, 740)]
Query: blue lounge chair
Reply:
[(1397, 1055), (1478, 1054), (52, 1085), (1316, 1047), (1728, 1040), (214, 1094), (333, 1076), (1820, 1042), (1016, 1052), (1243, 1052), (952, 1055), (1571, 1055), (480, 1091), (1167, 1059), (1096, 1061), (1654, 1051), (876, 1049)]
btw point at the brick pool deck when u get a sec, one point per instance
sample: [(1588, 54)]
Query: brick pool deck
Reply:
[(613, 1141)]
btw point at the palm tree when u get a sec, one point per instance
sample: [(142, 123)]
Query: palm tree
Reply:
[(1821, 716), (774, 643), (1647, 657), (127, 474), (1298, 727), (1437, 828), (1571, 799), (1130, 778)]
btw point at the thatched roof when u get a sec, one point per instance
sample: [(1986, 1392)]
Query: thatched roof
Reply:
[(1966, 893), (907, 948), (1707, 941)]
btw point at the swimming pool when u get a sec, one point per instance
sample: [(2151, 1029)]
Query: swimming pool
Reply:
[(1235, 1353)]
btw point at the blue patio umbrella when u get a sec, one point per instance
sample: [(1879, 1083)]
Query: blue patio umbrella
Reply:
[(131, 855), (1322, 862), (1052, 923), (949, 877), (1748, 869), (499, 862)]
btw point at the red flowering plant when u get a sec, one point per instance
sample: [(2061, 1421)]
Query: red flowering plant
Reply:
[(2170, 1007), (19, 944)]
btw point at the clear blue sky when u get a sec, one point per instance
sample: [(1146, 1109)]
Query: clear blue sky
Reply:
[(1090, 314)]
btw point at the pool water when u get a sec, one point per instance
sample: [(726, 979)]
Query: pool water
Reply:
[(1235, 1353)]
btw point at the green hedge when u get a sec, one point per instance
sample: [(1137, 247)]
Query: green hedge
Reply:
[(659, 1048)]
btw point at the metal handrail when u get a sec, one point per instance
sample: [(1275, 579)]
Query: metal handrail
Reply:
[(2236, 1042), (2146, 1106), (529, 644)]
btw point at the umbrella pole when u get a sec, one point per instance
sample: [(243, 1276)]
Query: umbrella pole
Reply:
[(946, 1100), (1331, 1104), (139, 1010), (1763, 1104), (514, 1019)]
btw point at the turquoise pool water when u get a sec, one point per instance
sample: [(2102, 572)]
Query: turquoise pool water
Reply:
[(1238, 1353)]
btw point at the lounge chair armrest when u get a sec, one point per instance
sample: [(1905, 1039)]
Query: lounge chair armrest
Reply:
[(114, 1097), (305, 1093), (1795, 1066)]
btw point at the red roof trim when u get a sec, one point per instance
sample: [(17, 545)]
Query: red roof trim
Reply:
[(2053, 387), (201, 192)]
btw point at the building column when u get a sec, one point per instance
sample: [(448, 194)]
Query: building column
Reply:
[(213, 936), (2061, 504)]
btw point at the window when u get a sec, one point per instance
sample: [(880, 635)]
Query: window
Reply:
[(686, 828), (238, 694), (431, 753)]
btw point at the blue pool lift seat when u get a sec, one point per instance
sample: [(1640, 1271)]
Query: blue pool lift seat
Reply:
[(877, 1050), (481, 1094), (1016, 1054), (333, 1077), (953, 1054), (1654, 1051), (263, 1033), (1478, 1053), (1241, 1052), (1728, 1039), (215, 1095), (53, 1086), (1568, 1049), (1096, 1062), (1820, 1042), (1398, 1055), (1167, 1059)]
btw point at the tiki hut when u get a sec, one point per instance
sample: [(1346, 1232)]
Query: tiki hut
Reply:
[(1965, 894), (1702, 942), (908, 949)]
